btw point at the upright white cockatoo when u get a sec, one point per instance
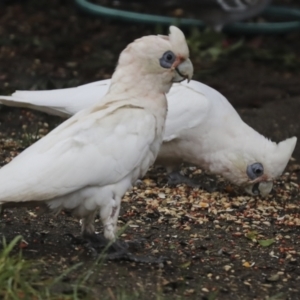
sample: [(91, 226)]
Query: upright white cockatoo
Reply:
[(202, 128), (87, 163)]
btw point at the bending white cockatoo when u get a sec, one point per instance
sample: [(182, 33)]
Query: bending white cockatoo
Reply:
[(202, 128), (88, 162)]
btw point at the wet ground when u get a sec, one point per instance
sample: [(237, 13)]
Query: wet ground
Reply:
[(224, 245)]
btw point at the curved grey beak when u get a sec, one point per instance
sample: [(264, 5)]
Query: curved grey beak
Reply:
[(184, 71), (260, 188)]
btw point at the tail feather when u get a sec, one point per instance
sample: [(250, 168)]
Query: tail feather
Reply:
[(17, 102), (61, 102)]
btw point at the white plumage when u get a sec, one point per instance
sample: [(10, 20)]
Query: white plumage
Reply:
[(88, 162), (202, 128)]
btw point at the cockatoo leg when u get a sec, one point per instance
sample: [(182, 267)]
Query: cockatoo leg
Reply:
[(87, 224), (109, 214), (97, 243), (115, 249), (175, 177)]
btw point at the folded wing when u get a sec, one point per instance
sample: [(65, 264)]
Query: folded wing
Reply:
[(188, 107), (80, 153)]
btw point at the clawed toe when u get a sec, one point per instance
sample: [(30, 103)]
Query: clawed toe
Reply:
[(99, 243), (118, 250), (175, 178), (136, 258)]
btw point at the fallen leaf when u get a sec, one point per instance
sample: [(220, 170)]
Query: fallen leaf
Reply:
[(185, 265), (266, 243), (251, 235)]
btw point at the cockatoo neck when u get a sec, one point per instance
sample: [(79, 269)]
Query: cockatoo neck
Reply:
[(139, 83)]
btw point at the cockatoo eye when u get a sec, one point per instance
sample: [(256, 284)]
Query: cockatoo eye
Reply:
[(255, 170), (167, 60)]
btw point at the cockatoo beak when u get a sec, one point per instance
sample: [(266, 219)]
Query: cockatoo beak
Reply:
[(262, 188), (184, 70)]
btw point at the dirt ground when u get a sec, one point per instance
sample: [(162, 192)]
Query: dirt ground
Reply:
[(211, 243)]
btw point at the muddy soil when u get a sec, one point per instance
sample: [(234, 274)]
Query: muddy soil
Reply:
[(211, 251)]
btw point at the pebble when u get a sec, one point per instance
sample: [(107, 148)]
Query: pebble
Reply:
[(162, 195), (267, 223), (227, 268), (273, 278)]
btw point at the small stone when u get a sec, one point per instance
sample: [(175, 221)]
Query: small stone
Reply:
[(203, 204), (227, 268), (280, 273), (160, 265), (237, 234), (273, 278), (189, 292), (267, 223), (162, 195), (246, 264)]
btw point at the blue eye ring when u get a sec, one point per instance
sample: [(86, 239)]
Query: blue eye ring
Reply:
[(167, 60), (255, 170)]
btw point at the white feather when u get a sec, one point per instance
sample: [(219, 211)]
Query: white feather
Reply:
[(90, 160), (202, 128), (79, 153), (62, 102)]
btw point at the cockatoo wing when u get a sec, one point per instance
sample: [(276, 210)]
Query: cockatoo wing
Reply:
[(188, 103), (80, 153), (188, 106), (61, 102)]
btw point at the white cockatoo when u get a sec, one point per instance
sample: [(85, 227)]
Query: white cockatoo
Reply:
[(202, 128), (87, 163)]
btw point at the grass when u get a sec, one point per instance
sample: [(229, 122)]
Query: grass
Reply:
[(212, 50), (24, 279), (21, 279), (14, 274), (209, 45), (28, 138)]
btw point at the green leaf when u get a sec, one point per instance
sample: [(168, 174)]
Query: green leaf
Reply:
[(251, 235), (185, 265), (266, 243)]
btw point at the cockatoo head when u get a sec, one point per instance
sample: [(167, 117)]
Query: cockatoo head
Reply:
[(155, 61), (258, 164)]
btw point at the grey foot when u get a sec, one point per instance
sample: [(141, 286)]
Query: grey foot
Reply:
[(99, 243), (139, 183), (177, 178), (118, 250)]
